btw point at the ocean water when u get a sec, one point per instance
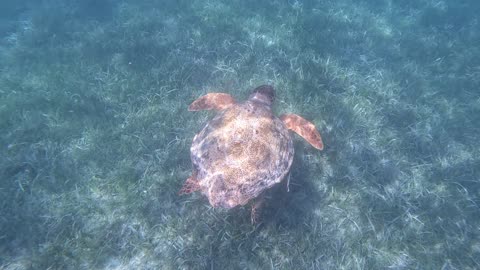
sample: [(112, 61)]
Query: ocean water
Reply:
[(95, 133)]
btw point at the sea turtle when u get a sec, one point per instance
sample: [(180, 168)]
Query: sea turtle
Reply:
[(245, 149)]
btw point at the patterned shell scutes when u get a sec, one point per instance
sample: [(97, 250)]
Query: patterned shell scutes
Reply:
[(241, 152)]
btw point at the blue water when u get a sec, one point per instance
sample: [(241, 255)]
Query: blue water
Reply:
[(95, 133)]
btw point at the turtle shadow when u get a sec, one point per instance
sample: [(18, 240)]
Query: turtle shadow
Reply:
[(292, 202)]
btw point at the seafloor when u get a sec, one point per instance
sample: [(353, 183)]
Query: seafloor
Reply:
[(95, 133)]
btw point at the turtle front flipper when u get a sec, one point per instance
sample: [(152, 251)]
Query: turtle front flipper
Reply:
[(212, 101), (303, 128)]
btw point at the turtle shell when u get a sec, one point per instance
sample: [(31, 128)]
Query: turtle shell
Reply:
[(240, 153)]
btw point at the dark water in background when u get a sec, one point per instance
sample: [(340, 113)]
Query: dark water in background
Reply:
[(95, 133)]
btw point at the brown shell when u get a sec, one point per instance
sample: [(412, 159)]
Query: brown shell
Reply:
[(241, 152)]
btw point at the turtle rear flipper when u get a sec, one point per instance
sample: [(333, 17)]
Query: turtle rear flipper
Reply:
[(212, 101), (191, 185), (303, 128)]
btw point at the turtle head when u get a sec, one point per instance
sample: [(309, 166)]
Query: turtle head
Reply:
[(264, 94)]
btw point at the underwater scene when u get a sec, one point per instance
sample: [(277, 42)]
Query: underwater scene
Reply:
[(239, 134)]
